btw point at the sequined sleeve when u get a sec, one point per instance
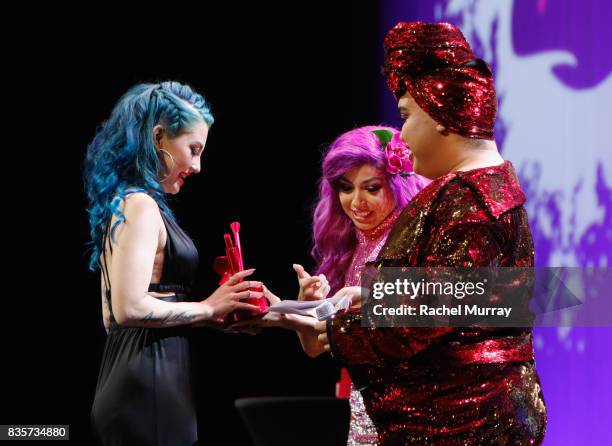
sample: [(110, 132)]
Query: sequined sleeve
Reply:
[(464, 245)]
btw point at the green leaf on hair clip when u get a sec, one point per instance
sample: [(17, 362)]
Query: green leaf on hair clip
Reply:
[(384, 136)]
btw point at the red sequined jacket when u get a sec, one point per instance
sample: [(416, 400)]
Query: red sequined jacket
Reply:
[(413, 378)]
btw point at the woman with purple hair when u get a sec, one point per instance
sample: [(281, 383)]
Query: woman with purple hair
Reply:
[(367, 181)]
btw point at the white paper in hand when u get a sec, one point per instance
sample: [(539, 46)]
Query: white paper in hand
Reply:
[(326, 307)]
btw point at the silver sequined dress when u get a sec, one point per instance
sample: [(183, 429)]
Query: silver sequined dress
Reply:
[(362, 431)]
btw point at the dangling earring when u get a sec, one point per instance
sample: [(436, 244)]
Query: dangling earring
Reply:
[(168, 170)]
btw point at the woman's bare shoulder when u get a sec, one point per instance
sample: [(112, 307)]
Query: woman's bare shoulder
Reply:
[(140, 205), (139, 209)]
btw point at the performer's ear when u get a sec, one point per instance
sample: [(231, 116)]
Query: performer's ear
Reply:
[(158, 133), (442, 130)]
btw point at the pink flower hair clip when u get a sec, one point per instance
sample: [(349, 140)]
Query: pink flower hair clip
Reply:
[(397, 152)]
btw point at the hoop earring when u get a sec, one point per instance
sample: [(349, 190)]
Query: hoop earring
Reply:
[(168, 170)]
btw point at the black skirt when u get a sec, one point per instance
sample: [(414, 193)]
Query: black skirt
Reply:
[(144, 394)]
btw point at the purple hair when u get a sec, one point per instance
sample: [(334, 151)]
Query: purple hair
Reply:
[(333, 231)]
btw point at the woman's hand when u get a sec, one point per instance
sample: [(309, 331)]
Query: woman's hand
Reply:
[(270, 319), (354, 292), (311, 287), (320, 328), (272, 298), (321, 331), (227, 297), (288, 321)]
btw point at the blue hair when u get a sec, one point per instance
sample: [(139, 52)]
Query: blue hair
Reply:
[(122, 158)]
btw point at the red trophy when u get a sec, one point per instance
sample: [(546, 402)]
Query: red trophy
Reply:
[(231, 263)]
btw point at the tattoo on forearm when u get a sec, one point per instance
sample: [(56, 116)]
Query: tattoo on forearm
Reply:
[(169, 317)]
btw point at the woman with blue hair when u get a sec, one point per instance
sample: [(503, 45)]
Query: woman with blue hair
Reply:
[(151, 143)]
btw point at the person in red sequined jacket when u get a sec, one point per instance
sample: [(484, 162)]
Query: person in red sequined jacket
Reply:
[(446, 385)]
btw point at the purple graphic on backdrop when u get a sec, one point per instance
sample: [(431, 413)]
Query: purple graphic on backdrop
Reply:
[(553, 77), (581, 28)]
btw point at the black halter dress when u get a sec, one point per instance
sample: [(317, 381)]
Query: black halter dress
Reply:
[(144, 393)]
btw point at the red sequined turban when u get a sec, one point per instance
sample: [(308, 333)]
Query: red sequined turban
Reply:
[(435, 64)]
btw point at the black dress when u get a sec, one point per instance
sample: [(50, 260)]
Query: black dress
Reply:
[(144, 394)]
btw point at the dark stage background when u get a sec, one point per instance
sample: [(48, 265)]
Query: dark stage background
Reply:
[(282, 84)]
